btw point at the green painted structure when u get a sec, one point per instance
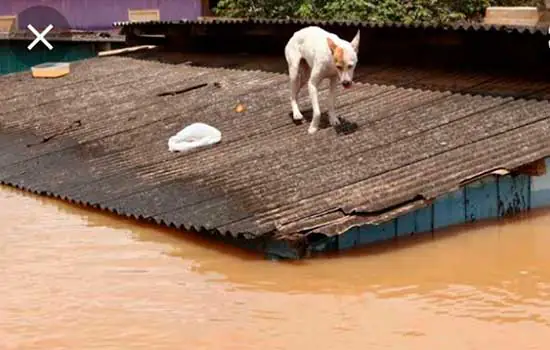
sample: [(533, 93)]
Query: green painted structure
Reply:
[(10, 64)]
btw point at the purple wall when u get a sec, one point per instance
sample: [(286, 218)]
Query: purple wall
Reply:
[(100, 14)]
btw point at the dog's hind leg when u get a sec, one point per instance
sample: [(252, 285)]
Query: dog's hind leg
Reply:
[(294, 75), (304, 73)]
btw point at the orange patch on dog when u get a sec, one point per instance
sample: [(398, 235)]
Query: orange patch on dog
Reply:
[(337, 52)]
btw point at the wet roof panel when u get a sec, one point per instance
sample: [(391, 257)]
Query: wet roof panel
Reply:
[(99, 136)]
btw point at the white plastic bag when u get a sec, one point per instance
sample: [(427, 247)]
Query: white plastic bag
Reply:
[(194, 136)]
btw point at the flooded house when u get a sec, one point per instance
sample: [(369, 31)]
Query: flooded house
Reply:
[(446, 125)]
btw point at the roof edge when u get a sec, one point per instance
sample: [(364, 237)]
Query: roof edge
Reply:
[(458, 26)]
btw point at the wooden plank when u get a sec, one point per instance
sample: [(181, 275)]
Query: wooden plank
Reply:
[(481, 199), (8, 24), (406, 224), (143, 15), (424, 219), (348, 239), (512, 15), (205, 7), (537, 168), (377, 233), (449, 210), (513, 194), (125, 50)]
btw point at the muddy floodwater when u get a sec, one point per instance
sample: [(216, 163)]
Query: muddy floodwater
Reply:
[(75, 279)]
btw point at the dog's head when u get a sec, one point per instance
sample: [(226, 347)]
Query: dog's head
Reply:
[(345, 58)]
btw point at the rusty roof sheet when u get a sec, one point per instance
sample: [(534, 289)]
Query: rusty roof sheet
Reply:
[(99, 137), (460, 26)]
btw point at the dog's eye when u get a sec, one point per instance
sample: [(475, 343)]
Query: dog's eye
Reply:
[(350, 66), (339, 67)]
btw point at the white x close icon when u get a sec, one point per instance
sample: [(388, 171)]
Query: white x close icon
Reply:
[(40, 37)]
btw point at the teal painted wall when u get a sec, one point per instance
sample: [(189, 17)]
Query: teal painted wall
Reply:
[(540, 189), (489, 198), (10, 64)]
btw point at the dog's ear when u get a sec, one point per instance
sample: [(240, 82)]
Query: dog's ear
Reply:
[(331, 45), (355, 41)]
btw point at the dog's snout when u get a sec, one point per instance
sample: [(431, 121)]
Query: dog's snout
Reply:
[(346, 83)]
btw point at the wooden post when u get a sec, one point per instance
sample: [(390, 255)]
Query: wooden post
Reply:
[(8, 24), (537, 168), (205, 8), (545, 12)]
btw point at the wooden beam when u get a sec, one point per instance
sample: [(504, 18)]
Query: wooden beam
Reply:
[(143, 15), (513, 15), (205, 7), (537, 168), (8, 24), (479, 176), (125, 50)]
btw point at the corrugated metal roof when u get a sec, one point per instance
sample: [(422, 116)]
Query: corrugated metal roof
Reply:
[(99, 137), (462, 26)]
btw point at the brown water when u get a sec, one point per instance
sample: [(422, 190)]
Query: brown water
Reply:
[(72, 279)]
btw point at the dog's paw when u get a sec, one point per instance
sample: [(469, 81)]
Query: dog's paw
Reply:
[(312, 130), (334, 120), (297, 115)]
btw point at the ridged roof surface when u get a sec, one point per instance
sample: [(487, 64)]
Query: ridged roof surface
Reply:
[(99, 136), (467, 26)]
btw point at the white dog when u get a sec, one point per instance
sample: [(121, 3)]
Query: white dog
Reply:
[(314, 54)]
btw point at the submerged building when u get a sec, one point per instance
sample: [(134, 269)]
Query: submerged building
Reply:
[(447, 125)]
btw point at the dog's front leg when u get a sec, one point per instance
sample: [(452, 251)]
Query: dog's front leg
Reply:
[(333, 119), (313, 95)]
